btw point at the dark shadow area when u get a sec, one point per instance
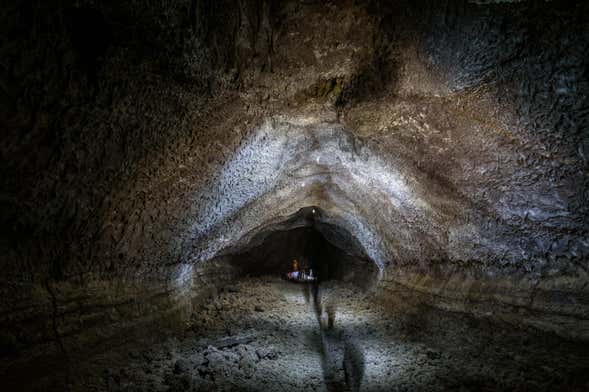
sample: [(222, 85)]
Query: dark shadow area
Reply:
[(90, 35), (312, 251), (342, 359), (308, 240)]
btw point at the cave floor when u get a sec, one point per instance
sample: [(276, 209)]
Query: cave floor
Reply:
[(264, 334)]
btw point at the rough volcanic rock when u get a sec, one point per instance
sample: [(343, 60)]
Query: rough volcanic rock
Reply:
[(146, 143)]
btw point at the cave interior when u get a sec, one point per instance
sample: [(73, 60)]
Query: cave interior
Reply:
[(166, 166)]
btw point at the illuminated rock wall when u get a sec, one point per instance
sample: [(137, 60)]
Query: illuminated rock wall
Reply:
[(448, 140)]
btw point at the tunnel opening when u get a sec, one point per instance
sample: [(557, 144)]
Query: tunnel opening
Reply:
[(317, 256), (309, 244), (156, 155)]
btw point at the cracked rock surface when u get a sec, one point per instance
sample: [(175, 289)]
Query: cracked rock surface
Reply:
[(149, 151)]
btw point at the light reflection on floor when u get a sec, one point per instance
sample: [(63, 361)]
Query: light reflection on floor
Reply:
[(420, 350)]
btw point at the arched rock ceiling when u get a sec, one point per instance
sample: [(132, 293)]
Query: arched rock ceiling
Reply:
[(285, 165), (399, 213), (454, 133)]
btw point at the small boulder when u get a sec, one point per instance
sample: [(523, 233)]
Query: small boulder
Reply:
[(181, 366), (266, 353), (247, 360), (431, 354)]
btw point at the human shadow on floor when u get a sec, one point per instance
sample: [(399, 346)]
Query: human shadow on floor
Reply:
[(342, 359)]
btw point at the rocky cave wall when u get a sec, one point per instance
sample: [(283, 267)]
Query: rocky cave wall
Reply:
[(143, 141)]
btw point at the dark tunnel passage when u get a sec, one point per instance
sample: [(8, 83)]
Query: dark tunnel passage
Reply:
[(294, 195), (341, 257), (278, 253), (307, 245)]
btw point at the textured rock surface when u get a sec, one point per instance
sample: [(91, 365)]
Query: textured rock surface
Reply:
[(141, 140), (386, 348)]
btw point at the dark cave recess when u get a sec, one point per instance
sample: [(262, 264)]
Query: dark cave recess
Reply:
[(153, 152), (314, 240)]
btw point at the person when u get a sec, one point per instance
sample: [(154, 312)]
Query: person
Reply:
[(303, 269), (294, 274), (353, 364), (330, 315)]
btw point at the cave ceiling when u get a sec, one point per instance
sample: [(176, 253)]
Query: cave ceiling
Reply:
[(456, 134)]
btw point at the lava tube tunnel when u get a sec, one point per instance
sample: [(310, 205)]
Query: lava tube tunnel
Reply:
[(289, 195)]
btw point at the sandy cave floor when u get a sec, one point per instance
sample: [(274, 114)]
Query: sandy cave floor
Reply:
[(264, 334)]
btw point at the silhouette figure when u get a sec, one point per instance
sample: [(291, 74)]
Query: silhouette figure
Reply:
[(353, 365)]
